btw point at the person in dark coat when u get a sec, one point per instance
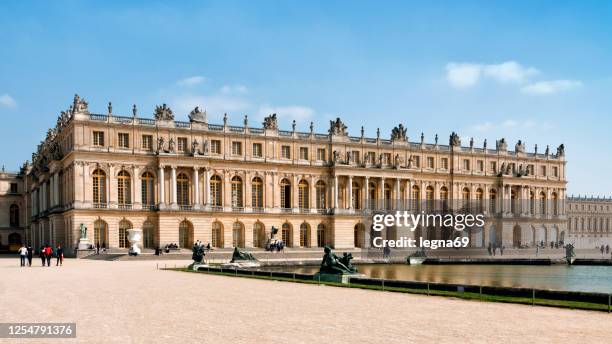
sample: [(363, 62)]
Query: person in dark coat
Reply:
[(30, 254), (41, 254), (59, 253)]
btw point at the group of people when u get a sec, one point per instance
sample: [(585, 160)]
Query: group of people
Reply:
[(275, 245), (492, 249), (46, 252)]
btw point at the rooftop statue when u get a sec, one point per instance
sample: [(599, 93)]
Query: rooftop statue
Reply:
[(333, 264), (399, 133), (337, 127), (198, 116), (561, 150), (501, 144), (519, 147), (163, 113), (454, 140), (271, 122), (241, 256), (79, 104)]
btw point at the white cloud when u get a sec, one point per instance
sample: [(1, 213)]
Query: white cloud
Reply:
[(550, 87), (190, 81), (7, 101), (510, 125), (483, 127), (234, 89), (293, 112), (463, 75)]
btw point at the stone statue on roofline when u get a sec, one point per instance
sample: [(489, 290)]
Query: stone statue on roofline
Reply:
[(79, 105), (163, 113), (338, 128), (501, 145), (271, 122), (398, 133), (454, 140), (519, 147), (197, 116), (561, 150)]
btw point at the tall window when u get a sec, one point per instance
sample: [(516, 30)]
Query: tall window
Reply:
[(181, 144), (555, 206), (466, 165), (479, 199), (532, 203), (542, 203), (355, 157), (285, 152), (123, 233), (387, 195), (98, 138), (257, 193), (493, 166), (14, 188), (465, 196), (148, 235), (237, 234), (215, 191), (492, 201), (237, 192), (123, 188), (444, 198), (356, 189), (124, 140), (257, 151), (321, 154), (386, 158), (99, 187), (320, 195), (215, 146), (147, 142), (416, 197), (236, 148), (286, 234), (100, 233), (372, 198), (185, 234), (430, 162), (147, 184), (304, 153), (217, 234), (444, 163), (371, 157), (182, 189), (304, 235), (14, 215), (303, 195), (321, 235), (429, 198), (480, 165), (258, 235), (285, 194)]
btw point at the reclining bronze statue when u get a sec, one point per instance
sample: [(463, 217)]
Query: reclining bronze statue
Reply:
[(333, 264), (241, 256)]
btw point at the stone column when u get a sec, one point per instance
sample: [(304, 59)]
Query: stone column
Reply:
[(161, 187), (136, 188), (110, 200), (397, 194), (173, 202), (350, 192), (56, 193), (335, 191), (367, 193), (207, 188), (380, 202), (196, 188)]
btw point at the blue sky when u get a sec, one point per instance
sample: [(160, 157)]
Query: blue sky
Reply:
[(536, 71)]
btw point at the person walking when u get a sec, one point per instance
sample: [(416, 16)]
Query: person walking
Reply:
[(30, 254), (59, 253), (23, 253), (41, 254), (48, 254)]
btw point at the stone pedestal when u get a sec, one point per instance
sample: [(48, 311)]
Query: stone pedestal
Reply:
[(335, 278), (84, 244)]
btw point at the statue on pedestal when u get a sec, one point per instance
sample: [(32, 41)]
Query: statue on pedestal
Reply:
[(241, 256), (333, 264)]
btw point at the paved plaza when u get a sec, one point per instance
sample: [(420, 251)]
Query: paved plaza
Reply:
[(133, 302)]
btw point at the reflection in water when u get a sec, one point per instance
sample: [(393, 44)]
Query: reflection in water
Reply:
[(558, 277)]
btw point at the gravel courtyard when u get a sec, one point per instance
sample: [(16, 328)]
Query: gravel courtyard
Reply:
[(133, 302)]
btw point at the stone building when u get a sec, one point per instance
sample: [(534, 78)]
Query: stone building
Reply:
[(229, 185), (589, 221), (14, 216)]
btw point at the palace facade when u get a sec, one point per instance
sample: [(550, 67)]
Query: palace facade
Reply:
[(229, 185), (14, 217), (589, 221)]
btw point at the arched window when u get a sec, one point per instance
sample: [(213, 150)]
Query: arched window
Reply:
[(99, 188), (148, 235), (14, 215), (372, 198), (14, 238), (303, 195), (356, 189), (320, 194), (148, 183), (416, 197), (285, 195), (217, 234), (124, 225), (100, 233), (532, 203), (304, 235), (479, 199), (387, 196), (216, 199), (444, 198), (429, 197), (124, 191), (259, 235), (493, 201), (237, 234), (359, 231), (237, 192), (555, 206), (513, 202), (542, 203), (185, 234), (465, 197), (182, 189), (321, 235), (257, 193), (286, 234)]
